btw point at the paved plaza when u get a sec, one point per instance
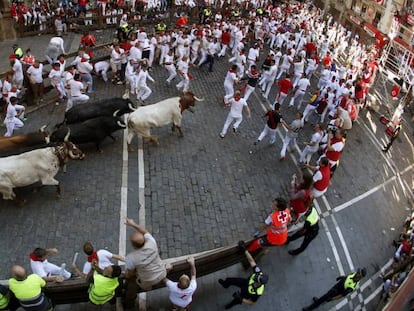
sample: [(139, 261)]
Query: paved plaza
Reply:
[(201, 192)]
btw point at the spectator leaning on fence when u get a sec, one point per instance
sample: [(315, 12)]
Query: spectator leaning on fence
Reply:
[(28, 290)]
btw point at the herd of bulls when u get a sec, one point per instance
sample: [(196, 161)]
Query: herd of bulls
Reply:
[(36, 157)]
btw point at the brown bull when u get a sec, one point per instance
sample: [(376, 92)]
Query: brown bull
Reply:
[(15, 143)]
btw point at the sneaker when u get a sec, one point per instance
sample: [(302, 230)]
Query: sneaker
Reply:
[(282, 159), (256, 142), (119, 82), (221, 135), (234, 130), (24, 120)]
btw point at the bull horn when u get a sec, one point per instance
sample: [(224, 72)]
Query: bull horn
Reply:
[(131, 107), (116, 113), (67, 135), (121, 124), (42, 129), (198, 99)]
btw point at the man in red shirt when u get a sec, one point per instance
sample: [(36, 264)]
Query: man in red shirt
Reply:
[(334, 150), (225, 40), (285, 86), (321, 177), (327, 60), (310, 48)]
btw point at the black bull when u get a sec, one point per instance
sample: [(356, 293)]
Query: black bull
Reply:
[(90, 131), (105, 107)]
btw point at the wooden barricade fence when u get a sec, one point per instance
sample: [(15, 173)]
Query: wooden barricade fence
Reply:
[(76, 290)]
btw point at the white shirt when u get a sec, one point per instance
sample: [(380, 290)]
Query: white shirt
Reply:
[(303, 84), (182, 67), (101, 66), (104, 260), (253, 54), (57, 41), (181, 297), (75, 88), (17, 70), (55, 77), (35, 74), (135, 53), (11, 112), (237, 107), (116, 56), (142, 78), (38, 267)]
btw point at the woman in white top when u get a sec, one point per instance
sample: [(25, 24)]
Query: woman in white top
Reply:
[(14, 116)]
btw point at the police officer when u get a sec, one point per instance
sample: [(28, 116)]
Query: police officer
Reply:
[(160, 27), (17, 51), (309, 231), (345, 285), (7, 299), (28, 290), (251, 288), (206, 15), (104, 284)]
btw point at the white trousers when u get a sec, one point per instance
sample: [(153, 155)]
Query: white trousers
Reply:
[(171, 71), (144, 92), (229, 120), (289, 140), (268, 131), (307, 153)]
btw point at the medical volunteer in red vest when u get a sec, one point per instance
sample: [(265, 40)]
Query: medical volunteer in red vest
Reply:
[(276, 225)]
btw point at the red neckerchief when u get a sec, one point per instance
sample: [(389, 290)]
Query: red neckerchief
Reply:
[(232, 70), (92, 257), (34, 257), (237, 98)]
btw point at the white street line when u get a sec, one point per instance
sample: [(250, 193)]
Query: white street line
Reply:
[(362, 196), (343, 243), (325, 201), (331, 241), (124, 198), (142, 297)]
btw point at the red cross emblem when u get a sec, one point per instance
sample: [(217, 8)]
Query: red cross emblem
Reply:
[(282, 217)]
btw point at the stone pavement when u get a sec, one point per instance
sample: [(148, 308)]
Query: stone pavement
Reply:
[(203, 192)]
